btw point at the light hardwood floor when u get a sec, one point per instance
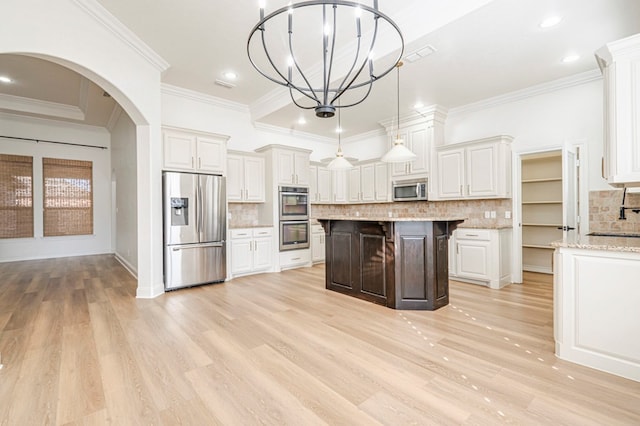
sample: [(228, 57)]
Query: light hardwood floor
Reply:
[(78, 348)]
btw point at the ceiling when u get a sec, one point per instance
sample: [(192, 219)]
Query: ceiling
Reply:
[(483, 49)]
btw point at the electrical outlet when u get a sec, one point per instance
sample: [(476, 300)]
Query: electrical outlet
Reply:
[(507, 214), (493, 214), (487, 214)]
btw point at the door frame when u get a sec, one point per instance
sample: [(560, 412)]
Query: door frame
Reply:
[(580, 146)]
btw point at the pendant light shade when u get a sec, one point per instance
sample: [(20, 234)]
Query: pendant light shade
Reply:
[(399, 153), (339, 163)]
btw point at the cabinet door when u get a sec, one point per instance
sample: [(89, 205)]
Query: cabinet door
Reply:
[(473, 259), (317, 247), (211, 154), (301, 168), (179, 150), (235, 184), (382, 184), (313, 185), (419, 145), (262, 253), (241, 256), (339, 186), (368, 182), (450, 173), (254, 179), (324, 185), (482, 170), (284, 168), (354, 185)]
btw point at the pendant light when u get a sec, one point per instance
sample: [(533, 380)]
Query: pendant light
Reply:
[(339, 163), (399, 153)]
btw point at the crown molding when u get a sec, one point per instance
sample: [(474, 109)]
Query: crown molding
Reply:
[(540, 89), (111, 23), (29, 119), (432, 113), (291, 132), (116, 112), (36, 106), (193, 95)]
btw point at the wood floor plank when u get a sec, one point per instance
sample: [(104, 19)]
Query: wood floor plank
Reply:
[(79, 349)]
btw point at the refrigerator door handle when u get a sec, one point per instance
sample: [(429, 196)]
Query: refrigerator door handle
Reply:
[(196, 246), (200, 212)]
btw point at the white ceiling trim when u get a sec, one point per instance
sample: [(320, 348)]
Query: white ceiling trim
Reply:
[(83, 98), (302, 135), (111, 23), (114, 117), (201, 97), (36, 106), (540, 89)]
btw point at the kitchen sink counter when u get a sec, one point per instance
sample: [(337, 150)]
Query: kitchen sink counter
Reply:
[(249, 226), (630, 243)]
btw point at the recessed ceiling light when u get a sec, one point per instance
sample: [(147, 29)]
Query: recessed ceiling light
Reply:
[(302, 120), (551, 21), (338, 129), (230, 75), (418, 105), (570, 58), (5, 79)]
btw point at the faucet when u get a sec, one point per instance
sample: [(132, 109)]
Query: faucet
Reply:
[(623, 208)]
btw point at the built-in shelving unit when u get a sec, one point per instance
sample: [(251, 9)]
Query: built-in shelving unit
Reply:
[(541, 209)]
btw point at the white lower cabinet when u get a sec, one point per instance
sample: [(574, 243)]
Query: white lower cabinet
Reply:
[(317, 244), (481, 256), (251, 250)]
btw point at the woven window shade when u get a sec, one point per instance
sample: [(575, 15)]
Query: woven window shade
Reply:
[(68, 197), (16, 196)]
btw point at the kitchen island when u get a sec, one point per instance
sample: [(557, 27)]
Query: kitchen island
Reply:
[(401, 263), (596, 299)]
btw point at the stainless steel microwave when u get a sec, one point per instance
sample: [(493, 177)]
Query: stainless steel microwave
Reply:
[(410, 190)]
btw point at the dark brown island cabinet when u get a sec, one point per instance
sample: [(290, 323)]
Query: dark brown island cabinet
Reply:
[(400, 263)]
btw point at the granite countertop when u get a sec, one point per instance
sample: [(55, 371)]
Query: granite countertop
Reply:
[(590, 242), (393, 219), (465, 226), (250, 226)]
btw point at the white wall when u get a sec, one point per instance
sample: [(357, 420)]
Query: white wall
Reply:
[(123, 178), (570, 115), (40, 247)]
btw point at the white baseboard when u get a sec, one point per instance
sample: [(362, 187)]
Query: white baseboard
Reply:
[(128, 266), (539, 269)]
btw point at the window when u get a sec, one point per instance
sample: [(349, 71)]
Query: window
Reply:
[(68, 197), (16, 196)]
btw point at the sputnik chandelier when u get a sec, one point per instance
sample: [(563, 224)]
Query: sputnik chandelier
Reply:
[(323, 51)]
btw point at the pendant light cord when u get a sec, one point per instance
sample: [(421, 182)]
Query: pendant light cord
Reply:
[(398, 65)]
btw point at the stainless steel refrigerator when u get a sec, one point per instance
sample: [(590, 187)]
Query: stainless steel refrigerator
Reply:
[(195, 217)]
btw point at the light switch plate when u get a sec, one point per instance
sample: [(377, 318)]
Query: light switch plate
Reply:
[(493, 214), (487, 214)]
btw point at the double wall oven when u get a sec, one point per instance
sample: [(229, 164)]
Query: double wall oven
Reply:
[(294, 218)]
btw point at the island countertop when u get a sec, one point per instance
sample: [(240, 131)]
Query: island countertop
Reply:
[(391, 219), (591, 242)]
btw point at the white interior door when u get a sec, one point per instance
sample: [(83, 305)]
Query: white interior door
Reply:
[(570, 222)]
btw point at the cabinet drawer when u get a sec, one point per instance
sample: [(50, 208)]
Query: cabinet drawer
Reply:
[(317, 229), (262, 232), (473, 234), (294, 258), (240, 233)]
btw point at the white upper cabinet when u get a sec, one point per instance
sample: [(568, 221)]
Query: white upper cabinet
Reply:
[(620, 65), (416, 138), (369, 183), (319, 185), (245, 178), (340, 186), (291, 165), (476, 169), (194, 151)]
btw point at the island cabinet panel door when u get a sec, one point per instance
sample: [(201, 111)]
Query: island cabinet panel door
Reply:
[(372, 280), (413, 268), (339, 275), (441, 269)]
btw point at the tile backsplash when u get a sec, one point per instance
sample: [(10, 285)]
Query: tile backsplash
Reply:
[(604, 212), (243, 215), (471, 209)]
